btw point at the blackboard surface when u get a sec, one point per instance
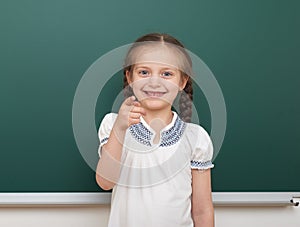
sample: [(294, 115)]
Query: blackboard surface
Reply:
[(252, 47)]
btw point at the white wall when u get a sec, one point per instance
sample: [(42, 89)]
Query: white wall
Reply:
[(97, 216)]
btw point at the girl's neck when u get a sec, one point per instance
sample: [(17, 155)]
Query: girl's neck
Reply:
[(158, 119)]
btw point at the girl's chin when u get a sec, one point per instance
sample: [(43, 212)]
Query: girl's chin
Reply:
[(155, 104)]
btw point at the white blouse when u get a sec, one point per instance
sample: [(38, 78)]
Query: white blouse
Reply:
[(154, 187)]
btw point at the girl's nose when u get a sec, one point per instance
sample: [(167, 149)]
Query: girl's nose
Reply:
[(155, 81)]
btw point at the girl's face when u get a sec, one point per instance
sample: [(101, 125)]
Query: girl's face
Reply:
[(156, 78)]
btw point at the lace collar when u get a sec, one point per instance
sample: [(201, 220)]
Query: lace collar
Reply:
[(169, 135)]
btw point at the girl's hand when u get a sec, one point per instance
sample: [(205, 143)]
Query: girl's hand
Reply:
[(129, 113)]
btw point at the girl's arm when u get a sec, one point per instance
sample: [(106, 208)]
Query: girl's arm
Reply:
[(202, 206), (108, 168)]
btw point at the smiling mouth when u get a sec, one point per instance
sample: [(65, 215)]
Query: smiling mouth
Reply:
[(154, 94)]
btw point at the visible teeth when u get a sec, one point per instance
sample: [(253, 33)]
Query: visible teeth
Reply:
[(156, 94)]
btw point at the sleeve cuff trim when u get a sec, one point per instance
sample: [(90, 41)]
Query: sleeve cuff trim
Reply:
[(103, 141), (201, 165)]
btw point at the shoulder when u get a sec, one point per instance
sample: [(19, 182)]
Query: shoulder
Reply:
[(110, 117), (202, 147), (107, 123), (197, 134)]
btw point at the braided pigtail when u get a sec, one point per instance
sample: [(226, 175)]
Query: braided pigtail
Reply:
[(186, 101)]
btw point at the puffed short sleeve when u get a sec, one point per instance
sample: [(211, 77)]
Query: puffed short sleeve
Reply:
[(202, 151), (105, 128)]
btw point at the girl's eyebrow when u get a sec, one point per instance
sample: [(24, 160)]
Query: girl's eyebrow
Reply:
[(164, 68), (141, 66), (168, 68)]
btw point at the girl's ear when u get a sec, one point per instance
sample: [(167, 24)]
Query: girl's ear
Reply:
[(184, 80), (128, 77)]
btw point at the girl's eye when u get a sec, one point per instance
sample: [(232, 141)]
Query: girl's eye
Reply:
[(167, 74), (143, 72)]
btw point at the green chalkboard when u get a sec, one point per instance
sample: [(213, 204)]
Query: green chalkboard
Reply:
[(252, 48)]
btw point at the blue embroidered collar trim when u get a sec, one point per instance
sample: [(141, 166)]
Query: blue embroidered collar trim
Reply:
[(169, 137), (141, 133)]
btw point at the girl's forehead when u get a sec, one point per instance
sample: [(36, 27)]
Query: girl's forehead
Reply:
[(154, 65), (159, 55)]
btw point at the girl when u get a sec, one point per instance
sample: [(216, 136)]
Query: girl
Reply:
[(157, 163)]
